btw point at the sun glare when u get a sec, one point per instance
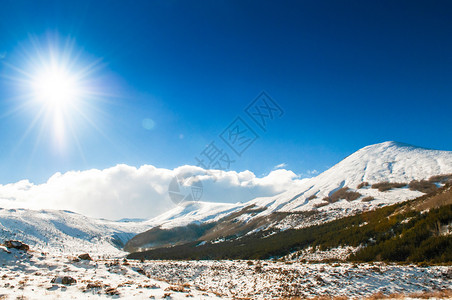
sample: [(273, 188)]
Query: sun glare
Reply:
[(60, 87), (56, 88)]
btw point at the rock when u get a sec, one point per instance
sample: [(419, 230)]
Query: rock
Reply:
[(67, 280), (94, 285), (17, 245), (448, 274), (111, 291), (140, 271), (85, 256), (319, 279), (54, 287)]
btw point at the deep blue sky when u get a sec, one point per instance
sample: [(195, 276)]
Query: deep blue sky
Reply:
[(346, 73)]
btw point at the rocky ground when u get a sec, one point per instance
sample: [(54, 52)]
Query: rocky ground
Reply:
[(28, 274), (267, 279), (36, 275)]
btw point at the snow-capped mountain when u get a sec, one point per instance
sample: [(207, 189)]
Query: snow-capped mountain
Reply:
[(385, 162), (194, 212), (342, 190)]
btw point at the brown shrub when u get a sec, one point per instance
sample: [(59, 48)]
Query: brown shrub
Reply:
[(441, 178), (386, 186), (176, 288), (312, 197), (363, 184), (440, 199), (422, 186), (367, 199), (342, 193), (322, 203)]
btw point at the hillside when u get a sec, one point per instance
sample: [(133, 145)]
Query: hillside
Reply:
[(64, 231), (400, 232), (374, 176)]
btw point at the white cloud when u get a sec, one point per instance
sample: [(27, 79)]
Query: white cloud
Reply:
[(124, 191), (312, 172), (280, 166)]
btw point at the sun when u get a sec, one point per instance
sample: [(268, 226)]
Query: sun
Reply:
[(59, 89), (55, 87)]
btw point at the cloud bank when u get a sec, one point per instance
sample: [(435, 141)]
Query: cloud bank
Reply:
[(124, 191)]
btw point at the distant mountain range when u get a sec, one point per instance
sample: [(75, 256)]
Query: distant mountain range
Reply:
[(374, 176)]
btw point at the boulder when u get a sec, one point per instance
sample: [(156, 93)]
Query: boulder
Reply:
[(67, 280), (85, 256), (17, 245), (111, 291)]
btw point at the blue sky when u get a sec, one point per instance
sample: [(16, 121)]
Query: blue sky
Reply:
[(346, 74)]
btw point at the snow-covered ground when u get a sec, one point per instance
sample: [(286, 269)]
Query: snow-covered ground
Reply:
[(30, 276), (36, 275), (340, 253), (268, 279)]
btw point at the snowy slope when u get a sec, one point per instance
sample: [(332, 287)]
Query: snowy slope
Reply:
[(64, 231), (194, 212), (388, 161)]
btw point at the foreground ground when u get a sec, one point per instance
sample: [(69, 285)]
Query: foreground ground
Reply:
[(30, 275)]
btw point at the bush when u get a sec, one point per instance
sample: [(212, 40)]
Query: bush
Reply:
[(312, 197), (343, 193), (367, 199), (422, 186), (321, 204), (386, 186), (363, 184), (441, 178)]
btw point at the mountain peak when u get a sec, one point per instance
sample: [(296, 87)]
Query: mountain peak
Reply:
[(392, 161), (389, 161), (390, 144)]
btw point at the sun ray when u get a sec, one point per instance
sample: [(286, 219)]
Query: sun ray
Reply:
[(57, 88)]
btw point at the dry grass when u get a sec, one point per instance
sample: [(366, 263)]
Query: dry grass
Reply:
[(440, 199), (343, 193), (386, 186), (176, 288), (441, 178), (367, 199), (443, 294), (312, 197), (363, 184), (422, 186), (318, 205)]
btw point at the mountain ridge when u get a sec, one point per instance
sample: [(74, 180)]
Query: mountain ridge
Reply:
[(312, 202)]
